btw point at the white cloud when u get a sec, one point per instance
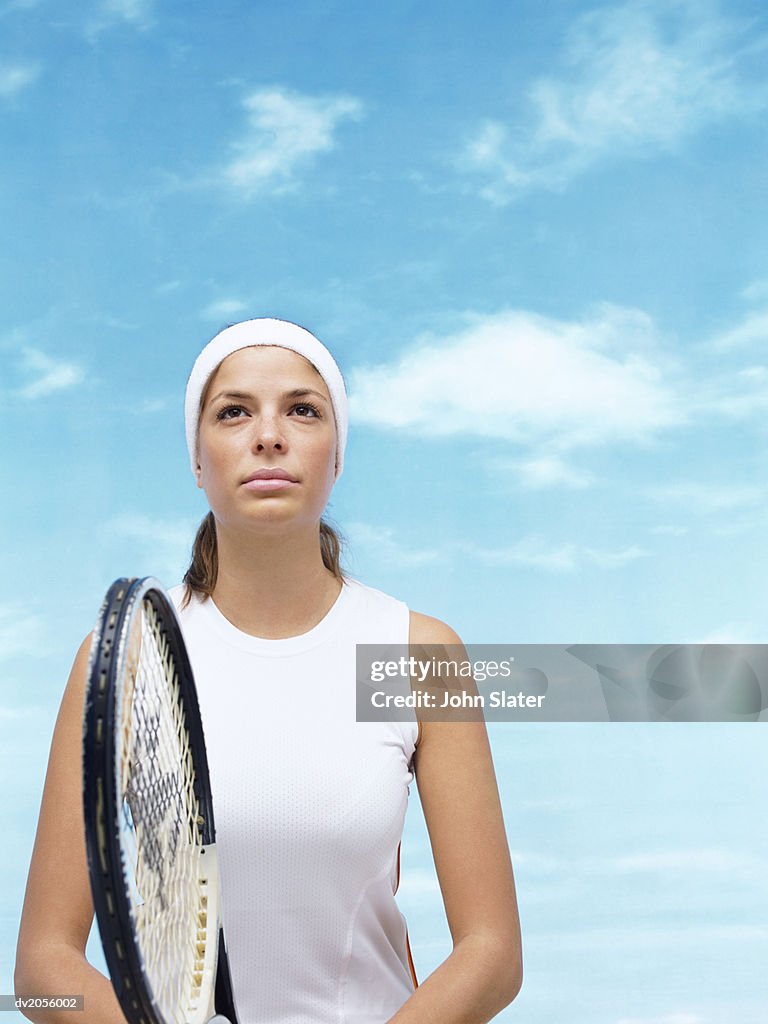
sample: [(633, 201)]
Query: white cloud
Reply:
[(731, 633), (168, 286), (285, 130), (542, 471), (526, 379), (634, 79), (223, 308), (110, 13), (382, 542), (638, 939), (165, 544), (134, 12), (50, 375), (10, 714), (128, 10), (535, 860), (756, 291), (706, 859), (615, 559), (667, 1018), (709, 497), (535, 552), (21, 632), (167, 531), (744, 393), (686, 860), (18, 5), (416, 882), (531, 551), (553, 390), (752, 330), (153, 405), (16, 77)]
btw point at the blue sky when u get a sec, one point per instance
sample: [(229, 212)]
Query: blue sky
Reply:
[(534, 236)]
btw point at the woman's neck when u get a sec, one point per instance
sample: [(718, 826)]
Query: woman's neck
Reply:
[(274, 586)]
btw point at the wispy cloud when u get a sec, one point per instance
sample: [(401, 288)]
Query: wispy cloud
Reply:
[(135, 13), (538, 553), (752, 330), (716, 860), (418, 882), (165, 544), (168, 286), (382, 541), (529, 380), (21, 632), (670, 530), (18, 5), (15, 77), (732, 633), (167, 531), (639, 938), (699, 497), (49, 374), (148, 406), (532, 551), (541, 471), (285, 130), (667, 1018), (223, 308), (18, 714), (756, 291), (634, 79)]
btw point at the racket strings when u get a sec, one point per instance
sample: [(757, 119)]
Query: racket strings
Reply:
[(159, 827)]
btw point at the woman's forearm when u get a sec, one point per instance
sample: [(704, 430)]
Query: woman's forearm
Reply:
[(474, 984), (63, 970)]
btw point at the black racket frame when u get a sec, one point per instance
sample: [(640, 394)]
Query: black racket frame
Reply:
[(102, 845)]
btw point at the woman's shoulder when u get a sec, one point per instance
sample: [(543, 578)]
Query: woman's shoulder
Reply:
[(426, 629)]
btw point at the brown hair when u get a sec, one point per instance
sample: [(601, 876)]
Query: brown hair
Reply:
[(200, 577)]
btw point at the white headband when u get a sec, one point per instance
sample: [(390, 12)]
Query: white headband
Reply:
[(266, 331)]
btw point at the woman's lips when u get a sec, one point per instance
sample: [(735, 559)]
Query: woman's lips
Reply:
[(270, 483)]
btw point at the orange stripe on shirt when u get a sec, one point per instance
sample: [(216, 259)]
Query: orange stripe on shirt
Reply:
[(407, 942)]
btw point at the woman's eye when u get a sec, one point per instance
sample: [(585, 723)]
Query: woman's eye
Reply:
[(307, 408), (222, 413)]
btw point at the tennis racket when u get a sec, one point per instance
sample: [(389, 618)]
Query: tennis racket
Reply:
[(149, 828)]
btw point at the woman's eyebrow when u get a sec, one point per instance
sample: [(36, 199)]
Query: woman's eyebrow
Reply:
[(294, 393), (301, 392), (231, 394)]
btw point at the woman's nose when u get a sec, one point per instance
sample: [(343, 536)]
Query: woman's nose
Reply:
[(267, 435)]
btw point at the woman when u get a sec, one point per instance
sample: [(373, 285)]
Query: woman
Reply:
[(309, 803)]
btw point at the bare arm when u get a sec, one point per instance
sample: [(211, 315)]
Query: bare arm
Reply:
[(459, 795), (58, 910)]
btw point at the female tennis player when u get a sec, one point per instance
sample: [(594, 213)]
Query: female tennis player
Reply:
[(309, 803)]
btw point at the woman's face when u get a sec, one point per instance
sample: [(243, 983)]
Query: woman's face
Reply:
[(266, 408)]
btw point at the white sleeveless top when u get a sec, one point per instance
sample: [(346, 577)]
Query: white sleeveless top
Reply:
[(309, 808)]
